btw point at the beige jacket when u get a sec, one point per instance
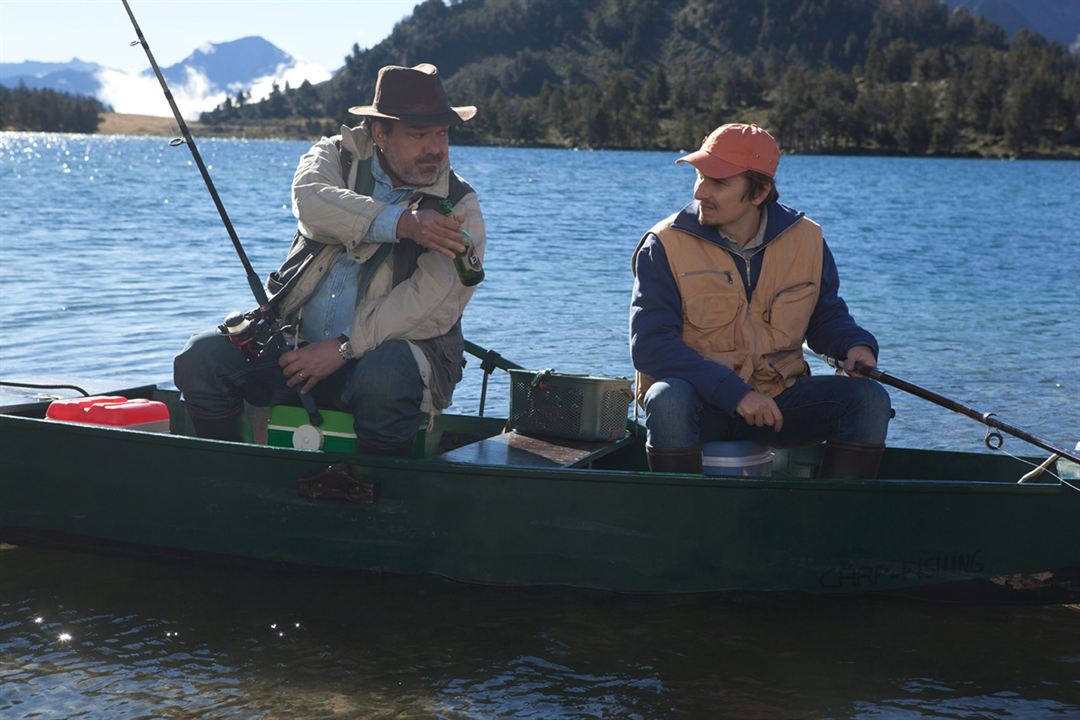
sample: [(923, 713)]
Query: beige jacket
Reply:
[(424, 306)]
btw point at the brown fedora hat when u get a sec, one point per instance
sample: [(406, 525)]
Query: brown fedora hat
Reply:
[(414, 95)]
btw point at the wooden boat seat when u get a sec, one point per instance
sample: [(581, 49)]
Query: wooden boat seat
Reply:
[(514, 449)]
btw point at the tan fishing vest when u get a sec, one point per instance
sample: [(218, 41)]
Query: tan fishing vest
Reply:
[(760, 340)]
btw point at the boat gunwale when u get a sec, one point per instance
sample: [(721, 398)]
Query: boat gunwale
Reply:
[(600, 475)]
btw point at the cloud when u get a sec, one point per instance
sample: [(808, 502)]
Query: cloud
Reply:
[(138, 94), (142, 95), (294, 74)]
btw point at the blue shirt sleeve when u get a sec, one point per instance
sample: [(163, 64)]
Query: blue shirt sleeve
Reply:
[(384, 228), (656, 344), (832, 331)]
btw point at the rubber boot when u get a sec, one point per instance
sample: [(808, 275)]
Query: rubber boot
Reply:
[(374, 447), (850, 460), (675, 460), (220, 428)]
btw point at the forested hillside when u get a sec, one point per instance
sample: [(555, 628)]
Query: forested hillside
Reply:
[(47, 110), (904, 76)]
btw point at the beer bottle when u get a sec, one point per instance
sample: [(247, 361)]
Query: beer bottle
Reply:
[(466, 262)]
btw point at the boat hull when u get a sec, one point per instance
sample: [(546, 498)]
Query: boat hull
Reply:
[(608, 529)]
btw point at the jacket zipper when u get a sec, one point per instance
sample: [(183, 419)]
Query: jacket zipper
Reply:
[(767, 315), (688, 273)]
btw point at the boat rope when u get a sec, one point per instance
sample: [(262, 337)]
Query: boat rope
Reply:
[(1041, 469), (38, 386)]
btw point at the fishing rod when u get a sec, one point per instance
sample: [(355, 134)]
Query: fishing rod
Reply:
[(993, 440), (240, 328)]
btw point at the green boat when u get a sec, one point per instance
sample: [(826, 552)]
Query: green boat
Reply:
[(477, 504)]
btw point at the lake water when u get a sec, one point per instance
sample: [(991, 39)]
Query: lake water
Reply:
[(112, 254)]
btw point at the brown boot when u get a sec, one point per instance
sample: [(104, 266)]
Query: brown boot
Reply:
[(374, 447), (850, 460), (674, 460)]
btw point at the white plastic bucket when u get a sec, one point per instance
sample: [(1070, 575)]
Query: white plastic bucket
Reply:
[(740, 458)]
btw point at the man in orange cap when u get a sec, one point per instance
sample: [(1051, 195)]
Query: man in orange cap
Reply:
[(725, 293)]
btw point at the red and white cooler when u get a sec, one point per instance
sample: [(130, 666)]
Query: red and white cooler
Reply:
[(112, 411)]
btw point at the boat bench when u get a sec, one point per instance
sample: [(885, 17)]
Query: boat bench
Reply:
[(514, 449)]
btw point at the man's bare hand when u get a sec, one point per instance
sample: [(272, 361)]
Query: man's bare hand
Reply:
[(861, 354), (311, 363), (760, 411), (429, 229)]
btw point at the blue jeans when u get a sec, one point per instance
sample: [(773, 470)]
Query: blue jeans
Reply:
[(829, 407), (382, 390)]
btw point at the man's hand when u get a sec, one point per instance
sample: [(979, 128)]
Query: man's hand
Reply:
[(760, 410), (429, 229), (859, 353), (311, 363)]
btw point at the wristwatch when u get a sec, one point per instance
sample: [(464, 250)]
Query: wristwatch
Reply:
[(345, 348)]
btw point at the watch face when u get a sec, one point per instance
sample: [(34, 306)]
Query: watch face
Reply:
[(346, 350)]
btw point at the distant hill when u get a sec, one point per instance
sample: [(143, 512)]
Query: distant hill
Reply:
[(883, 76), (32, 68), (74, 76), (1057, 20), (200, 81)]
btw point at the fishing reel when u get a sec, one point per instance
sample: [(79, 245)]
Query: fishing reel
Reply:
[(250, 331)]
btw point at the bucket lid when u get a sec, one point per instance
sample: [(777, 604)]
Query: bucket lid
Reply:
[(741, 453), (733, 448)]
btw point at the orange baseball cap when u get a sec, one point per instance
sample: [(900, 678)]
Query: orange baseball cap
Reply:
[(734, 148)]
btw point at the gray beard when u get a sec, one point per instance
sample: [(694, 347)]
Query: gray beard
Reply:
[(414, 177)]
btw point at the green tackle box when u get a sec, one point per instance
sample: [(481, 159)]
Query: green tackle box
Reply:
[(290, 427)]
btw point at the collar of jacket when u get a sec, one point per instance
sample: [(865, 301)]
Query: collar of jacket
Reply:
[(778, 219), (357, 141)]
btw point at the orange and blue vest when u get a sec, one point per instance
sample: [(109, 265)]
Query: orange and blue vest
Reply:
[(703, 313)]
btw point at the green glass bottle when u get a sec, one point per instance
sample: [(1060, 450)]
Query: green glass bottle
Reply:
[(466, 262)]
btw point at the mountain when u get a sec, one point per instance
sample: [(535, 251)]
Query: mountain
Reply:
[(199, 82), (1057, 20), (76, 76), (230, 66), (33, 69)]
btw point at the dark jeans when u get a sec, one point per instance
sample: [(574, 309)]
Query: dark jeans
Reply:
[(814, 409), (382, 390)]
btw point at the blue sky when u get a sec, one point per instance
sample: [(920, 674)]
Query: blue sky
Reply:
[(319, 31)]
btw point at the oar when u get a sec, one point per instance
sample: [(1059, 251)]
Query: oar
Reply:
[(489, 360), (985, 418)]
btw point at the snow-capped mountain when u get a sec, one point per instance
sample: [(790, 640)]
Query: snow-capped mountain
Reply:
[(199, 82)]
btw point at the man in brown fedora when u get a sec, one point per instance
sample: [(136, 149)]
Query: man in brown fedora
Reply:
[(369, 284)]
